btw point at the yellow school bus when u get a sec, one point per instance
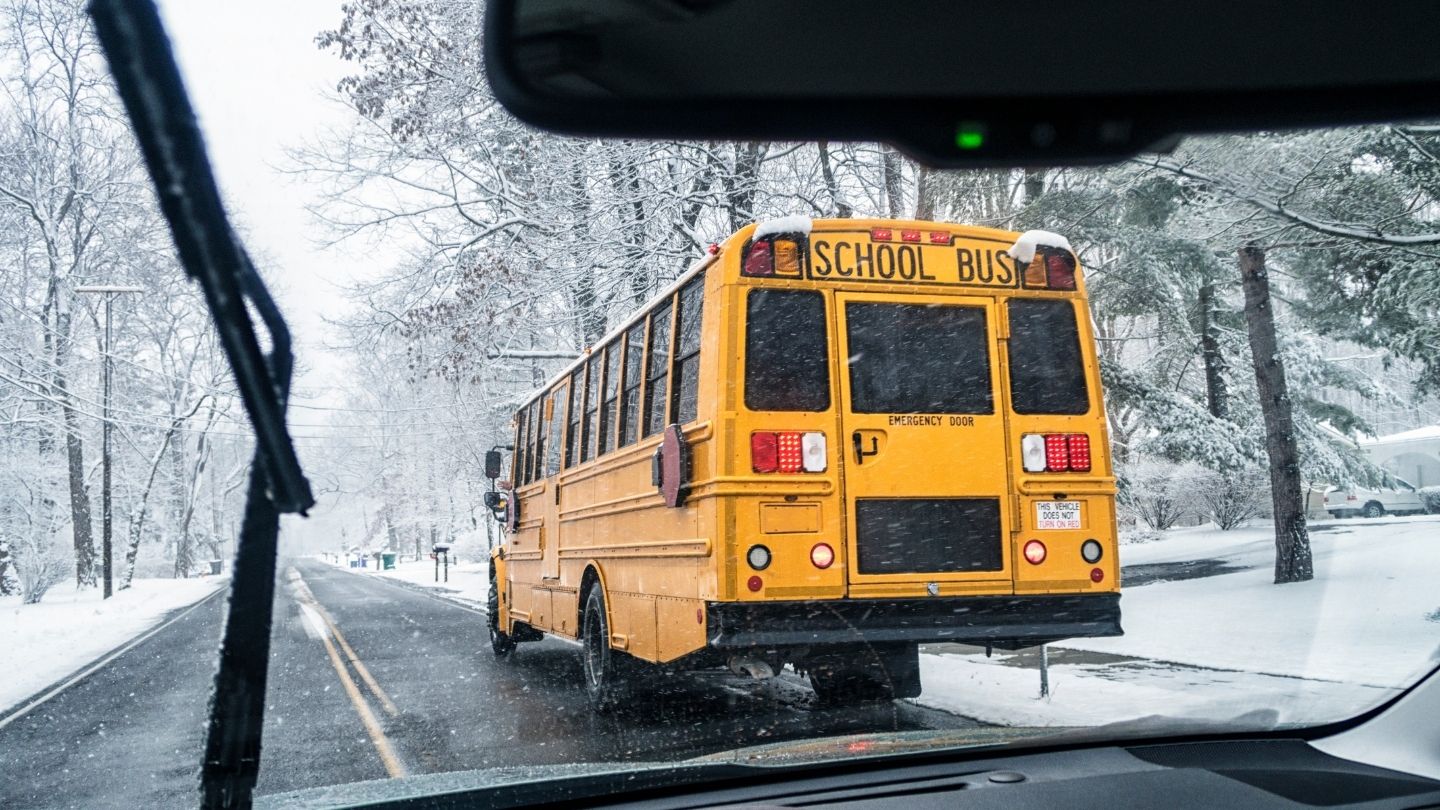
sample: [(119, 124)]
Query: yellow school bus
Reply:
[(828, 442)]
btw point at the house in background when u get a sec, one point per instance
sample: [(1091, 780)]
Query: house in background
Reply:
[(1413, 455)]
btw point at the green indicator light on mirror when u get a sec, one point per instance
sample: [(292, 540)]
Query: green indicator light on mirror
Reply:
[(970, 136)]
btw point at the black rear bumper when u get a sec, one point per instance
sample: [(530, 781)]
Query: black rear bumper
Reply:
[(1007, 622)]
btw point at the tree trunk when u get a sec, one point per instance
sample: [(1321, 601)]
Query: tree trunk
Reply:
[(924, 194), (79, 496), (7, 563), (894, 175), (1293, 562), (1215, 393), (137, 523), (1034, 185), (838, 207)]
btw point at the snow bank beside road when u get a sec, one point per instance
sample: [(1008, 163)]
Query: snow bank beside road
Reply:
[(469, 582), (1218, 646), (69, 629), (1363, 619)]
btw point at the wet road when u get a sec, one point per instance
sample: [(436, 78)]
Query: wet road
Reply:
[(371, 679)]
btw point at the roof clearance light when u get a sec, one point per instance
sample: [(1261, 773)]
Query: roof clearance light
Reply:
[(881, 234), (1035, 552), (759, 260), (940, 237), (1032, 452), (822, 556), (909, 236)]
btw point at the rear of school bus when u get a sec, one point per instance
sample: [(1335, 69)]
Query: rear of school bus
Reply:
[(916, 448)]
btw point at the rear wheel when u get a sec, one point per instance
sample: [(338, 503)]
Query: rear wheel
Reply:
[(604, 667), (1373, 509), (500, 641)]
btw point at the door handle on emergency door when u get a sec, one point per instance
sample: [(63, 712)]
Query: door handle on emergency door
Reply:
[(860, 451)]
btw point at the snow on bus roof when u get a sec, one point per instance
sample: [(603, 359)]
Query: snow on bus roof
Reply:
[(795, 223), (1024, 247)]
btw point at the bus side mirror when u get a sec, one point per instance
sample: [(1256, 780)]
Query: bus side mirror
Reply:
[(496, 502), (492, 464)]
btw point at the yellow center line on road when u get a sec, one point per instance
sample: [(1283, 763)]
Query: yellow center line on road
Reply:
[(304, 594), (386, 750), (388, 758), (364, 673)]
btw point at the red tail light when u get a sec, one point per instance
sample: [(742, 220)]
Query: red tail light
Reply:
[(759, 261), (1057, 455), (790, 451), (764, 452), (1055, 452), (1079, 452), (1034, 552)]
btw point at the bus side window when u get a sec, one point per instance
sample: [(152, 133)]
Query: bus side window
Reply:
[(537, 440), (610, 398), (685, 388), (517, 468), (572, 434), (1047, 367), (657, 369), (557, 429), (630, 399), (592, 396)]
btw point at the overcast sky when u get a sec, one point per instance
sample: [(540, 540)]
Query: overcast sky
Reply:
[(259, 85)]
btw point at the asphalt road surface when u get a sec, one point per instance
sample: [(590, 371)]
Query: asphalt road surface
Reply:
[(370, 679)]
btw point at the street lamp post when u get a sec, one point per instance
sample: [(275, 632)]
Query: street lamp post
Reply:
[(107, 555)]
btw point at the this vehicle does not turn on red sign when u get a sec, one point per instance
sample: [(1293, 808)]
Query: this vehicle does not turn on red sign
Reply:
[(1057, 514)]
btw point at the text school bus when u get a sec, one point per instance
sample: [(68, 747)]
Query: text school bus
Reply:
[(827, 443)]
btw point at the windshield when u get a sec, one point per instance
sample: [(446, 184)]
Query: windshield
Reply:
[(794, 444)]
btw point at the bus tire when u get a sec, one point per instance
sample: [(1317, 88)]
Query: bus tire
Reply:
[(500, 642), (601, 665)]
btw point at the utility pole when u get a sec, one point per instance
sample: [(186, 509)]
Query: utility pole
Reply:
[(107, 554)]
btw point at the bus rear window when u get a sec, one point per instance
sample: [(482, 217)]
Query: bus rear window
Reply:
[(917, 358), (1047, 370), (787, 356)]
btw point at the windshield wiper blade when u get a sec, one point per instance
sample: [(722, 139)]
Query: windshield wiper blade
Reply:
[(148, 81)]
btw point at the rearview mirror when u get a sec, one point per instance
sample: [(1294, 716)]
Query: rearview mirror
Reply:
[(496, 503), (492, 464), (984, 83)]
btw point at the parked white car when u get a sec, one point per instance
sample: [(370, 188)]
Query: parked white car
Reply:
[(1401, 499)]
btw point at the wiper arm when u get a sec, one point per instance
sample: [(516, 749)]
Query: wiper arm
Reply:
[(149, 83)]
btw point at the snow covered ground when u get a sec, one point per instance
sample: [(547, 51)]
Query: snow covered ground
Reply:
[(1208, 634), (469, 582), (69, 628)]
